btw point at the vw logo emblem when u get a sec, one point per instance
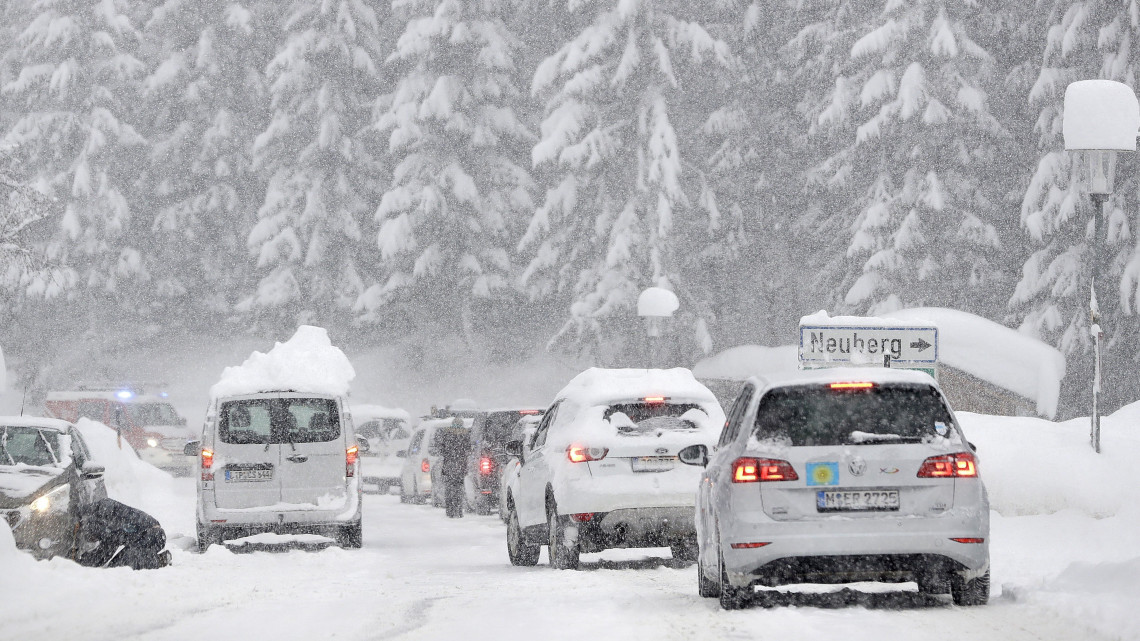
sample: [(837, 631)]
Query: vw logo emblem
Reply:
[(857, 466), (662, 450)]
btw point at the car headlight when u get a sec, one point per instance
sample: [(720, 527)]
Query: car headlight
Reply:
[(54, 500), (153, 442)]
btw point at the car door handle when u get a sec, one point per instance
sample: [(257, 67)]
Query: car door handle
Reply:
[(297, 458)]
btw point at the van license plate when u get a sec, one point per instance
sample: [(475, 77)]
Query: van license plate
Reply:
[(654, 463), (857, 500), (245, 476)]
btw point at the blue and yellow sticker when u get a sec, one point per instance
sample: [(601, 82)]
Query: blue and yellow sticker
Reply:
[(823, 473)]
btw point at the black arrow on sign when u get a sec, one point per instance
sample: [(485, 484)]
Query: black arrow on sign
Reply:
[(920, 345)]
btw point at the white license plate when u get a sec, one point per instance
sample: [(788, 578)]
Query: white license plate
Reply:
[(246, 476), (856, 500), (654, 463)]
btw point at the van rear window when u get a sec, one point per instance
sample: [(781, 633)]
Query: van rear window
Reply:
[(815, 415), (279, 420)]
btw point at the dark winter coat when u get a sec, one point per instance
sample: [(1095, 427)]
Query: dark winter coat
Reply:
[(453, 444), (125, 536)]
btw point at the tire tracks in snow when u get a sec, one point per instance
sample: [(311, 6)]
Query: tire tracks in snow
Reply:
[(415, 617)]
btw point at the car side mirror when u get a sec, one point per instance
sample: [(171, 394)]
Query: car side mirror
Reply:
[(362, 443), (514, 448), (973, 448), (192, 448), (92, 470), (402, 454), (694, 455)]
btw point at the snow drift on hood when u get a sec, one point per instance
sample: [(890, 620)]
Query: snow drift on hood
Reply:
[(307, 362)]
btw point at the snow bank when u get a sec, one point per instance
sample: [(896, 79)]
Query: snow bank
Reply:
[(994, 353), (744, 361), (307, 362), (366, 411), (1034, 466)]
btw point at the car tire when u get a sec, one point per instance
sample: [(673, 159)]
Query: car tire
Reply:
[(519, 550), (706, 588), (350, 537), (564, 555), (972, 592), (482, 506), (207, 536), (436, 499), (731, 597), (404, 496), (684, 551)]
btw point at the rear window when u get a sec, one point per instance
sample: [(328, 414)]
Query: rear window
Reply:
[(497, 428), (823, 416), (641, 418), (279, 420)]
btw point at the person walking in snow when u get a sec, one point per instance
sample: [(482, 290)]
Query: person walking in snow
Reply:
[(453, 444)]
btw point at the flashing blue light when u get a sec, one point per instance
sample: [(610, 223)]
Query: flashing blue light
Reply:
[(124, 394), (163, 394)]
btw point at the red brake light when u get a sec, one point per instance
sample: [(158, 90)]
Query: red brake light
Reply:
[(655, 400), (350, 460), (207, 457), (859, 385), (529, 411), (960, 465), (582, 517), (749, 546), (751, 470), (425, 467), (486, 465), (581, 454), (968, 540)]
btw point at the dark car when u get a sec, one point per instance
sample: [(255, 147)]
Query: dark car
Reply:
[(47, 480), (490, 433)]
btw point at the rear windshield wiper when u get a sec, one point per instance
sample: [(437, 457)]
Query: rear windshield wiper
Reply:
[(857, 438)]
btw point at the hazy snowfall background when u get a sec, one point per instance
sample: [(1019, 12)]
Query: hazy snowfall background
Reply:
[(464, 182)]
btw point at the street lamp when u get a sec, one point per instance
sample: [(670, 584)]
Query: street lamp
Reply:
[(655, 304), (1101, 118)]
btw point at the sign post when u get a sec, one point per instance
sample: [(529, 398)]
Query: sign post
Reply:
[(867, 342)]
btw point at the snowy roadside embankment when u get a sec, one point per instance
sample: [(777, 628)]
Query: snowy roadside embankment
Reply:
[(1064, 529)]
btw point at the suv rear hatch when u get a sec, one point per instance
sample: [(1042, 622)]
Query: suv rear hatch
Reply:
[(855, 450), (644, 438)]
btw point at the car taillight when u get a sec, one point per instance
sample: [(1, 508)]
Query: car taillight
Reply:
[(750, 546), (425, 467), (654, 400), (753, 470), (581, 454), (206, 464), (960, 465), (486, 465), (350, 460), (582, 517)]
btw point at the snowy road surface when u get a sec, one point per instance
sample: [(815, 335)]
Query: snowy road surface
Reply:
[(422, 576)]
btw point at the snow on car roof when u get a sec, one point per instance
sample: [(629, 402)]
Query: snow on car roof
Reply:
[(367, 411), (35, 421), (847, 374), (307, 362), (111, 395), (601, 386)]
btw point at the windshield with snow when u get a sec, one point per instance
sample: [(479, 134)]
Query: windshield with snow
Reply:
[(814, 415), (641, 417), (147, 414), (28, 445), (279, 420)]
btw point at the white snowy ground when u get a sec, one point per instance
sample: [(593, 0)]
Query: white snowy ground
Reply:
[(1065, 564)]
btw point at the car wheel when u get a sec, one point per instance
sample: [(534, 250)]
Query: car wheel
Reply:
[(684, 551), (350, 537), (404, 498), (564, 554), (705, 587), (483, 506), (436, 498), (520, 552), (973, 592), (207, 536), (731, 597)]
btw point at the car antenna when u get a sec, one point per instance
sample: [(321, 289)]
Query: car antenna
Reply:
[(23, 399)]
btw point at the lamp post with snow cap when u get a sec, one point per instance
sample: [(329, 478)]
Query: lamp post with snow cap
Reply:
[(655, 304), (1101, 118)]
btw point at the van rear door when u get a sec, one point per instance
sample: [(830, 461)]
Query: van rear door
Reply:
[(313, 452), (245, 457)]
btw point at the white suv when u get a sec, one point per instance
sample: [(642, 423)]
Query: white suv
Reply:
[(841, 475), (283, 462), (602, 471)]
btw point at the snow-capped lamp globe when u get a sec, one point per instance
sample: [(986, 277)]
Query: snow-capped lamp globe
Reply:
[(655, 304), (1101, 118)]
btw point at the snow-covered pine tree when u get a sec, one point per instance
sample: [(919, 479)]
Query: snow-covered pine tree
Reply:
[(1085, 39), (460, 190), (317, 158), (206, 98), (75, 92), (919, 172), (622, 209)]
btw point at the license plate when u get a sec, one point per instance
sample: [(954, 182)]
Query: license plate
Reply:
[(857, 500), (246, 476), (654, 463)]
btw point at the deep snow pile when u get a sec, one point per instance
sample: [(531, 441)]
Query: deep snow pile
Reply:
[(307, 362)]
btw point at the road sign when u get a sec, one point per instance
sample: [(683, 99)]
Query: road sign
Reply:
[(832, 345)]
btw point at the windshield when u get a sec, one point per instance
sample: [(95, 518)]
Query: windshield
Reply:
[(640, 417), (28, 445), (279, 420), (146, 414), (823, 416)]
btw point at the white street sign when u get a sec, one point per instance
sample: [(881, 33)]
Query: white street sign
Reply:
[(849, 345)]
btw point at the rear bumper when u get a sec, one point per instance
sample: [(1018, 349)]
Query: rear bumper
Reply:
[(834, 551), (636, 527), (167, 460)]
